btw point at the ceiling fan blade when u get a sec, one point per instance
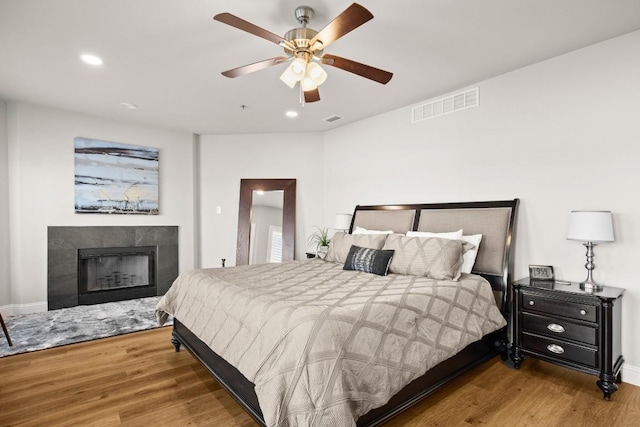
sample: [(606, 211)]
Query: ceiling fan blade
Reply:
[(350, 19), (256, 66), (312, 95), (241, 24), (354, 67)]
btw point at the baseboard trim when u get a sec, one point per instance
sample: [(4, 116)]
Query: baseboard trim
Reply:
[(631, 374), (16, 309)]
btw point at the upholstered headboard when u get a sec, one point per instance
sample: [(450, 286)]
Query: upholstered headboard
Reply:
[(495, 220)]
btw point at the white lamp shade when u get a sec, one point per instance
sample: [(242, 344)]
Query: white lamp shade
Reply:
[(298, 67), (294, 72), (343, 222), (307, 83), (591, 226), (288, 77), (317, 74)]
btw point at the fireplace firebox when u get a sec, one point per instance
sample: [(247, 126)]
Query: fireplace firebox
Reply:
[(114, 274)]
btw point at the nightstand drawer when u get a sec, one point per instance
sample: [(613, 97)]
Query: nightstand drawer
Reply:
[(560, 349), (575, 310), (561, 329)]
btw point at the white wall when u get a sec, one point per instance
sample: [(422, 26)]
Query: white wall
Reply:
[(560, 135), (5, 294), (41, 189), (225, 159)]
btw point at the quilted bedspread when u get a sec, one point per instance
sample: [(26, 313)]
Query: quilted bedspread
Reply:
[(323, 345)]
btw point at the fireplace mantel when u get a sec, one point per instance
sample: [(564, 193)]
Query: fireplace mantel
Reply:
[(64, 243)]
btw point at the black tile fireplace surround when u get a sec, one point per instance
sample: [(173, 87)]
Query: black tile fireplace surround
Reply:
[(63, 244)]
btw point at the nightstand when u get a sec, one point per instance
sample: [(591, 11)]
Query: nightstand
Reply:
[(562, 324)]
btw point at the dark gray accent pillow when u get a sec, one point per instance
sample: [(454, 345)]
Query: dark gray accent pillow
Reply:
[(368, 260)]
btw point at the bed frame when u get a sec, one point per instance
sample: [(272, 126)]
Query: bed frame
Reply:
[(495, 220)]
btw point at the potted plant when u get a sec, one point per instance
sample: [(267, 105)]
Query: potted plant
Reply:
[(320, 239)]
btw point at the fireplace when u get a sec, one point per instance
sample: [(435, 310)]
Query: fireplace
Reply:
[(114, 274), (94, 264)]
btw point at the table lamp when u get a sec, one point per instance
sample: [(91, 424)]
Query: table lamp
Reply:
[(590, 227), (343, 222)]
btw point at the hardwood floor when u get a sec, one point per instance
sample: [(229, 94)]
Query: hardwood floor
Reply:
[(139, 380)]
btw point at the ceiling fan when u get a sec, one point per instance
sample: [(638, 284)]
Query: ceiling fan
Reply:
[(304, 47)]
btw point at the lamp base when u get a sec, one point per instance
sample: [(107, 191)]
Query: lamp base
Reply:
[(591, 286)]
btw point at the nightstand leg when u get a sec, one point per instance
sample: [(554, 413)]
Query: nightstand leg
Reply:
[(619, 378), (610, 367), (607, 383), (516, 356)]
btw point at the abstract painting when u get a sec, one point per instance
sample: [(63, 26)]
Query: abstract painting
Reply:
[(113, 178)]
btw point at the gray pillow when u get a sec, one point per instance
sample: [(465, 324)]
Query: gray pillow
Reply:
[(434, 257), (341, 244), (374, 261)]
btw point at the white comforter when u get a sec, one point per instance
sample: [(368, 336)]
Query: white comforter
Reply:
[(323, 345)]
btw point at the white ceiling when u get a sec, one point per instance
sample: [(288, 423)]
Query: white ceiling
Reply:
[(166, 55)]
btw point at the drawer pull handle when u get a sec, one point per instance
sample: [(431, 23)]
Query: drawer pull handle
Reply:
[(554, 327), (583, 312), (531, 302), (555, 348)]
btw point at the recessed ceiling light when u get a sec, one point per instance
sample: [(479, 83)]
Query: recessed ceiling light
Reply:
[(291, 114), (91, 59), (129, 105)]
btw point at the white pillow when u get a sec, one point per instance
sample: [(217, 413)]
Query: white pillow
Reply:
[(469, 257), (455, 235), (360, 230)]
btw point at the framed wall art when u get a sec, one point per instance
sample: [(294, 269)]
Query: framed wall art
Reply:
[(114, 178)]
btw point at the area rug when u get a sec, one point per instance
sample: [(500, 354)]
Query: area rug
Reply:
[(38, 331)]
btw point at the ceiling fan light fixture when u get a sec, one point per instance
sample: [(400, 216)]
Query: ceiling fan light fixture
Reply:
[(294, 72), (316, 73), (307, 83), (298, 68), (288, 78)]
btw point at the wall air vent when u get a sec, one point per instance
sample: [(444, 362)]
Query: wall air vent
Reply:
[(449, 104), (332, 119)]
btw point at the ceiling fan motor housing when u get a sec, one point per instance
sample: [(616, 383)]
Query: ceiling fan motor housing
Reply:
[(300, 37)]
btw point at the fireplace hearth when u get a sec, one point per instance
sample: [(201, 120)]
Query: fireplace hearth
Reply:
[(91, 265)]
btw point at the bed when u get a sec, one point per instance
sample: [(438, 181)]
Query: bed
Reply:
[(287, 374)]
